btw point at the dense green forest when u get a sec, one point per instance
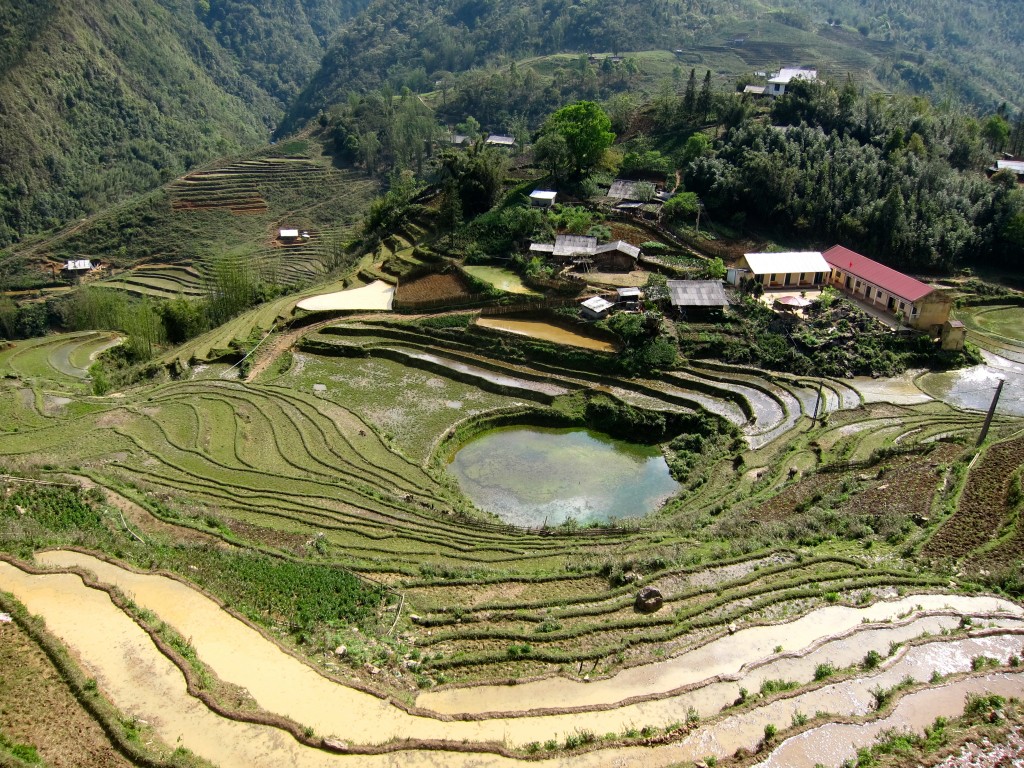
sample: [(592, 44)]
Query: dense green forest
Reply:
[(914, 44)]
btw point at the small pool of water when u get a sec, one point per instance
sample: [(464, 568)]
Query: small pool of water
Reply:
[(530, 476)]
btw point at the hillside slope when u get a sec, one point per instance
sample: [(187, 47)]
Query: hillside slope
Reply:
[(908, 44)]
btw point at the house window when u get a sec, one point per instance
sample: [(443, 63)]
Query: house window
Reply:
[(857, 285), (801, 277), (902, 306), (878, 293), (771, 278), (913, 312)]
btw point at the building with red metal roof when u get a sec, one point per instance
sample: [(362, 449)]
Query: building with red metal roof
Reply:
[(918, 304)]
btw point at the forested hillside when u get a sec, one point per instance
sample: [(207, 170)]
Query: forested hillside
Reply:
[(278, 44), (103, 99), (911, 44)]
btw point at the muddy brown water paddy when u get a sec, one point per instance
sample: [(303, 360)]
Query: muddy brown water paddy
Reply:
[(143, 683), (531, 476), (538, 329)]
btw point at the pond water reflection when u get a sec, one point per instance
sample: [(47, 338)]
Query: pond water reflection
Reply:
[(530, 476)]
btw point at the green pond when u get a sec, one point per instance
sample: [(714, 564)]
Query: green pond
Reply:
[(530, 476)]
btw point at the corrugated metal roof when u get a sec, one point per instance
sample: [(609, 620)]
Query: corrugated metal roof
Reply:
[(77, 265), (619, 245), (501, 141), (793, 73), (571, 245), (886, 278), (628, 291), (597, 304), (786, 263), (289, 233), (543, 194), (697, 293), (1017, 166)]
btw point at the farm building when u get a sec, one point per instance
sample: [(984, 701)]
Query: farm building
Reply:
[(543, 198), (288, 235), (920, 305), (801, 269), (596, 308), (1016, 166), (584, 252), (566, 246), (777, 83), (697, 296), (755, 90)]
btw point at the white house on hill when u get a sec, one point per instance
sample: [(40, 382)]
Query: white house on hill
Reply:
[(778, 82)]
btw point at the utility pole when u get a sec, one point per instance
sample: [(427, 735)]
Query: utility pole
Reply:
[(817, 402), (991, 413)]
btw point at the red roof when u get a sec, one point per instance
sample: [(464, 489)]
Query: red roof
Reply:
[(886, 278)]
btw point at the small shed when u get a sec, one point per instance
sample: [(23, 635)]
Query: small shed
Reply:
[(954, 334), (628, 297), (596, 308), (543, 198), (288, 235), (755, 90)]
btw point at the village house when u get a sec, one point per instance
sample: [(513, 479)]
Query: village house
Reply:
[(288, 235), (777, 83), (800, 269), (919, 305)]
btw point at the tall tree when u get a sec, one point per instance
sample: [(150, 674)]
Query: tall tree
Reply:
[(586, 130), (690, 96), (704, 99)]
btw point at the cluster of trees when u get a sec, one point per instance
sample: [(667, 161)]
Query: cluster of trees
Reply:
[(380, 130), (894, 176), (518, 94), (278, 45)]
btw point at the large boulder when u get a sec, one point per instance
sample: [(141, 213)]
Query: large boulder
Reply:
[(648, 600)]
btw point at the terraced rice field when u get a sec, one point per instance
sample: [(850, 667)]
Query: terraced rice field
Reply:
[(816, 540), (710, 675)]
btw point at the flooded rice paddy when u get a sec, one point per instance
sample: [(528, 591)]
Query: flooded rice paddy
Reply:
[(378, 295), (502, 279), (538, 329), (143, 683), (974, 388), (531, 476), (477, 372)]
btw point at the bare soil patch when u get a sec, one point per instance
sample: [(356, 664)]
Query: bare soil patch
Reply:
[(433, 288), (36, 708)]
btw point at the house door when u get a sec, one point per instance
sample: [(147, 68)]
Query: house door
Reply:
[(849, 282), (891, 304), (789, 278)]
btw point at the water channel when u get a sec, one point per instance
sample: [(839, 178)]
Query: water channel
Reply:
[(530, 476)]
